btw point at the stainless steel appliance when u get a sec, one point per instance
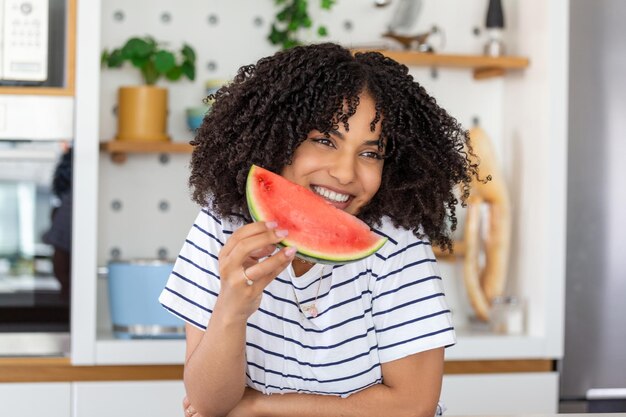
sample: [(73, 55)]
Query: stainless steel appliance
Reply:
[(35, 247), (593, 370)]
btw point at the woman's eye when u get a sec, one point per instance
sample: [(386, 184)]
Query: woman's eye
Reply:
[(373, 155), (324, 141)]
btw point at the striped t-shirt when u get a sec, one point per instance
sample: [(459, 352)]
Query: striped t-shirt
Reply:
[(373, 311)]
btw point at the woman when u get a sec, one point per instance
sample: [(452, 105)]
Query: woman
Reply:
[(365, 338)]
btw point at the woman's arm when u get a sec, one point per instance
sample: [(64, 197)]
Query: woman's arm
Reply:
[(411, 388), (215, 360)]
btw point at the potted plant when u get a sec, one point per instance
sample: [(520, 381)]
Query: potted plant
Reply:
[(142, 109)]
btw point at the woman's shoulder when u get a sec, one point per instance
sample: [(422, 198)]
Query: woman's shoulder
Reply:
[(398, 237), (211, 221)]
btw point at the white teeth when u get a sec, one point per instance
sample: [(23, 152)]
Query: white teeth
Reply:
[(331, 195)]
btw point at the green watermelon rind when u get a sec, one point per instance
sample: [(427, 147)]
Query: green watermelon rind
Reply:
[(308, 255)]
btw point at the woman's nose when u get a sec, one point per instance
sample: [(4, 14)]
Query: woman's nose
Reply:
[(343, 169)]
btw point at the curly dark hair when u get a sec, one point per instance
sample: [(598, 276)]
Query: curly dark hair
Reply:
[(269, 109)]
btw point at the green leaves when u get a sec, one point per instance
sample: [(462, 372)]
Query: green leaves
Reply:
[(327, 4), (152, 60), (290, 18)]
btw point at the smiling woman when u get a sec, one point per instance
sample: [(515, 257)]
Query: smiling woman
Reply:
[(362, 338)]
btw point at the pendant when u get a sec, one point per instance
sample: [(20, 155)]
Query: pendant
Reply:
[(312, 310)]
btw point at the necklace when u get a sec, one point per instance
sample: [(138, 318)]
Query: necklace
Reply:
[(311, 308)]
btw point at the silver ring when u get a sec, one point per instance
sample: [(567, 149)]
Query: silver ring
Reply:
[(246, 277)]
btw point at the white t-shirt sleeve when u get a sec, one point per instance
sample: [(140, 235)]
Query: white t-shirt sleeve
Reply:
[(409, 307), (192, 288)]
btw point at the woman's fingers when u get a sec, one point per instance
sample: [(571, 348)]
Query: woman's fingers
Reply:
[(245, 232), (189, 410), (264, 272), (244, 250)]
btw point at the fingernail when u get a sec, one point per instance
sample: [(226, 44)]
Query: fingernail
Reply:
[(290, 251), (271, 225), (282, 233)]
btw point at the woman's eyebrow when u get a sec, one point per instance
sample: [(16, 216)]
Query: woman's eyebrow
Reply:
[(373, 142)]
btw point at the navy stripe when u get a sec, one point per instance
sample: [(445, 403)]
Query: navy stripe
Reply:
[(208, 234), (358, 297), (417, 338), (195, 284), (335, 286), (302, 345), (428, 316), (291, 284), (283, 281), (176, 313), (418, 243), (277, 298), (228, 232), (198, 266), (304, 391), (330, 274), (421, 261), (312, 365), (201, 249), (439, 294), (205, 211), (189, 300), (378, 232), (419, 281), (320, 381), (297, 323)]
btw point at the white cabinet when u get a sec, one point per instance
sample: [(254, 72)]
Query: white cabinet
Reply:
[(127, 399), (35, 399), (495, 394)]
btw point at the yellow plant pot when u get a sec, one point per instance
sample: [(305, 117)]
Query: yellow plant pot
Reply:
[(142, 114)]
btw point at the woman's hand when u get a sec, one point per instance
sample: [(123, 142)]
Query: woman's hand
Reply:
[(243, 277), (188, 408), (243, 409)]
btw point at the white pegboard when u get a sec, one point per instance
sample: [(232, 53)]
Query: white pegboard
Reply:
[(227, 35)]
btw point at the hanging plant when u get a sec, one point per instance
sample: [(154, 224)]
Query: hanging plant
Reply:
[(293, 16)]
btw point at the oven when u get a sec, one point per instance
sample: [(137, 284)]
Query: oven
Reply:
[(35, 247)]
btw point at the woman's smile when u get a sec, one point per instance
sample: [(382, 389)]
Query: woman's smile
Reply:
[(334, 197)]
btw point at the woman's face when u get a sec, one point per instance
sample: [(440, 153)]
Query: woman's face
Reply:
[(346, 168)]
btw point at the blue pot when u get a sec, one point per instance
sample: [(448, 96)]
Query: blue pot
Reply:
[(195, 116), (134, 289)]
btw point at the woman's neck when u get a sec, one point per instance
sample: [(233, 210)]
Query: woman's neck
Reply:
[(301, 267)]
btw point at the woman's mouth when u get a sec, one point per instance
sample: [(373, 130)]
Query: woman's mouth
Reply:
[(337, 199)]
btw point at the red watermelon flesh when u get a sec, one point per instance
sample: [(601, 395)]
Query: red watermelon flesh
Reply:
[(321, 233)]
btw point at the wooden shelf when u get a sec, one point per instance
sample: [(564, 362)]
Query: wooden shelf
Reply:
[(37, 91), (119, 149), (483, 66)]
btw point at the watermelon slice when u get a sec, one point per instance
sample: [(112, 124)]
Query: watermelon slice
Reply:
[(321, 233)]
